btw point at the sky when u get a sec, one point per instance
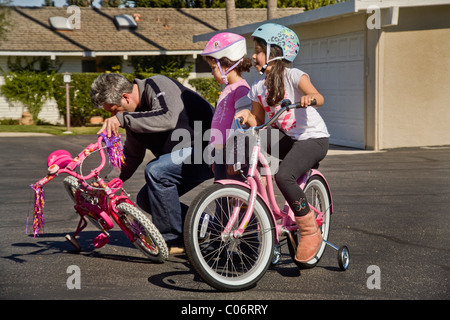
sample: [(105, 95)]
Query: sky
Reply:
[(38, 3)]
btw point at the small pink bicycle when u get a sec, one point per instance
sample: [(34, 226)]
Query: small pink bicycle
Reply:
[(233, 229), (98, 200)]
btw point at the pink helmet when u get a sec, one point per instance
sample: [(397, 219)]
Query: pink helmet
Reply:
[(59, 157), (226, 44)]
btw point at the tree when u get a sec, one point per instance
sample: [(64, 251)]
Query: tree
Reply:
[(3, 21), (48, 3), (110, 3), (231, 13), (271, 9), (79, 3)]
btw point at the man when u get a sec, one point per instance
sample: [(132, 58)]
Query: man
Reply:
[(150, 111)]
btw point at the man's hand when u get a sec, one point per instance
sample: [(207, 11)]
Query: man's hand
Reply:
[(111, 125)]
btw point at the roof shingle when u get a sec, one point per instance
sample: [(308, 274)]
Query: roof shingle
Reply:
[(160, 29)]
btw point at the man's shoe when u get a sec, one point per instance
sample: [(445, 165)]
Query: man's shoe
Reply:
[(176, 250)]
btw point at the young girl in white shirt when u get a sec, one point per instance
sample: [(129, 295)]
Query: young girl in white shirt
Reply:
[(303, 135)]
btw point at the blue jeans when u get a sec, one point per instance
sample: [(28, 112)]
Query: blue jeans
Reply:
[(167, 178)]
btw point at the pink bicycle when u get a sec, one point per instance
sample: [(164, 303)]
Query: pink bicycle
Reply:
[(99, 201), (233, 229)]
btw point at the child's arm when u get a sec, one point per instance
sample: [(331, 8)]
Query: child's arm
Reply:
[(310, 92), (252, 118)]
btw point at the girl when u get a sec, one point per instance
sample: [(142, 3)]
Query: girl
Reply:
[(303, 135), (225, 54)]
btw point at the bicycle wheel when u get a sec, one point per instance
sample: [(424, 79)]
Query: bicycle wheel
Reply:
[(318, 196), (147, 237), (71, 185), (225, 262)]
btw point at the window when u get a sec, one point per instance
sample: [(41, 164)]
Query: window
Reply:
[(89, 65), (125, 21), (60, 23)]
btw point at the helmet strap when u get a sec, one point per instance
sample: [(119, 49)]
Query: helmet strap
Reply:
[(224, 75), (263, 69)]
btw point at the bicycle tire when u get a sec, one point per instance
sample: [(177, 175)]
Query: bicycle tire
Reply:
[(71, 185), (147, 239), (318, 195), (225, 262)]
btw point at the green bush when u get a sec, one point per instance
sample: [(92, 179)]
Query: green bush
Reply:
[(34, 88), (81, 108), (208, 88), (30, 88)]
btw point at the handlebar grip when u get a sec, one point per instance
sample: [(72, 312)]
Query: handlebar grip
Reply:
[(313, 103)]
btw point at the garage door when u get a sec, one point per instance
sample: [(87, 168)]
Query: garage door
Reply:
[(336, 67)]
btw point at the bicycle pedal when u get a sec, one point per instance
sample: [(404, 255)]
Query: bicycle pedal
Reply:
[(100, 240)]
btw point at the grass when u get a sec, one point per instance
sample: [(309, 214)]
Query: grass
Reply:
[(55, 130)]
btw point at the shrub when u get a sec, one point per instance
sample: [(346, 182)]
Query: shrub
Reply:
[(208, 88), (81, 107), (30, 88), (34, 88)]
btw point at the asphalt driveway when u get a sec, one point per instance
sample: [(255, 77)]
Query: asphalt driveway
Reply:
[(391, 210)]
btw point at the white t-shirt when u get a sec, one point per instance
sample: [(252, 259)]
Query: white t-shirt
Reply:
[(299, 124)]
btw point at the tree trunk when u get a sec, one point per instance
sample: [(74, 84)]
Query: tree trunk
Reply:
[(271, 9), (231, 14)]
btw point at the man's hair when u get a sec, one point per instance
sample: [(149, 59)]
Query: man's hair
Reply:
[(108, 88)]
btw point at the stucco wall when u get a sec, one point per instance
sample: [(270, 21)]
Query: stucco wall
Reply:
[(415, 83)]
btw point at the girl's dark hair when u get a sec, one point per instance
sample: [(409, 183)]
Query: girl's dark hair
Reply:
[(245, 65), (275, 79)]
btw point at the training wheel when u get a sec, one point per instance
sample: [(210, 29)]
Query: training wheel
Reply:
[(73, 241), (276, 254), (343, 258)]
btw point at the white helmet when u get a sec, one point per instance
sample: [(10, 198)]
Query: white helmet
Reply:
[(226, 44)]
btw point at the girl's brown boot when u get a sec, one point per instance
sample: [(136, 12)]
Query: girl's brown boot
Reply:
[(310, 237)]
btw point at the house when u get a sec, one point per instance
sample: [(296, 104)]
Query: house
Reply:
[(382, 66), (80, 38)]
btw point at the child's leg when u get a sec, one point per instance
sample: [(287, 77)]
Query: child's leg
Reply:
[(300, 158)]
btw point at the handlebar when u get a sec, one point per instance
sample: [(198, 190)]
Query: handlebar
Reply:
[(286, 105), (115, 157)]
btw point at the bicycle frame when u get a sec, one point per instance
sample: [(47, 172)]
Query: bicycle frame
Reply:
[(107, 201), (105, 193), (266, 193)]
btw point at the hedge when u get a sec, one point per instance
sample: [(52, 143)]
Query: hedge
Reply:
[(34, 88)]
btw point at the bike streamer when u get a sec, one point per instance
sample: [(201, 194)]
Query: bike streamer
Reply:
[(38, 214), (116, 159), (115, 150)]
